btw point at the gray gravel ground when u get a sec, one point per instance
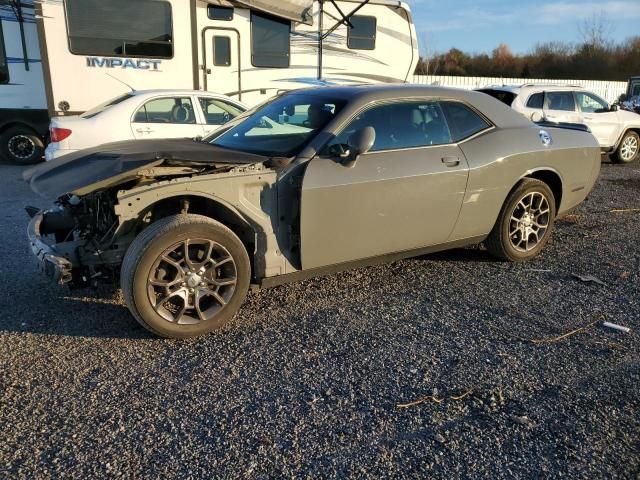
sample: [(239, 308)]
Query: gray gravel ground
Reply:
[(307, 381)]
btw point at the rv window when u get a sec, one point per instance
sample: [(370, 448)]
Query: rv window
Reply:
[(4, 68), (220, 13), (270, 41), (362, 33), (221, 51), (166, 110), (120, 28)]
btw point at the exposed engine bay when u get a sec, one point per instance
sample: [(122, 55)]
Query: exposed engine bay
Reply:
[(82, 239)]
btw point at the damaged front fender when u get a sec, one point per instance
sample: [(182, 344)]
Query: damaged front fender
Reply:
[(115, 164)]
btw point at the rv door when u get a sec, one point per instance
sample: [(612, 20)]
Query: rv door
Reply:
[(222, 61)]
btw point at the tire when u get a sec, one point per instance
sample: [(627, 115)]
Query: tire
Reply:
[(510, 240), (629, 148), (21, 146), (191, 308)]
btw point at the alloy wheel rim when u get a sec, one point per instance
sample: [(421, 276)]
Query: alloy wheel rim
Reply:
[(192, 281), (529, 222), (629, 148), (21, 146)]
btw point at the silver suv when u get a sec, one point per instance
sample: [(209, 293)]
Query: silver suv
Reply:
[(617, 131)]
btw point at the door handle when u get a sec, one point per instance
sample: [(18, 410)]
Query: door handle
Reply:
[(451, 161), (144, 130)]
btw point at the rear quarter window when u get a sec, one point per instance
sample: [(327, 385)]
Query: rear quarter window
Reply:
[(505, 97), (536, 101), (464, 122)]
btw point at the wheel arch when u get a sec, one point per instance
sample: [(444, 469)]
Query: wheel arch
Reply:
[(551, 178), (623, 134), (201, 204), (20, 124), (547, 175)]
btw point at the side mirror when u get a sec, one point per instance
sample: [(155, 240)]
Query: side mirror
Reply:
[(359, 143), (339, 150), (198, 138), (615, 107)]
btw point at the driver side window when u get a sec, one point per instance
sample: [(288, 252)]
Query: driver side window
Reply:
[(218, 112), (590, 103), (400, 125)]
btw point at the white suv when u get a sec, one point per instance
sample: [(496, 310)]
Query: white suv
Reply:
[(618, 131)]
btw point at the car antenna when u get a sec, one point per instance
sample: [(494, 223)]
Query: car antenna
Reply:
[(121, 81)]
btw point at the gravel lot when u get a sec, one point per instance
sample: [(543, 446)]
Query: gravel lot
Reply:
[(308, 380)]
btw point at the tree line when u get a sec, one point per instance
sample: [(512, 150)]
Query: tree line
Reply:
[(594, 58)]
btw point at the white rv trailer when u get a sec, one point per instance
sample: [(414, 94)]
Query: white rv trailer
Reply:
[(94, 50), (24, 119)]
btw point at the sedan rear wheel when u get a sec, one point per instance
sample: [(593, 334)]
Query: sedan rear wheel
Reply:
[(525, 222), (629, 148), (185, 275)]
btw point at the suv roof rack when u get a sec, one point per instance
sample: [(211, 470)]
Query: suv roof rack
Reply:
[(550, 85)]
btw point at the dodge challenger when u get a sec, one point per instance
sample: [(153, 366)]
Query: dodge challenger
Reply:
[(312, 182)]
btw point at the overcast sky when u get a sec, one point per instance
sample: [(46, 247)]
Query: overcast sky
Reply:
[(480, 25)]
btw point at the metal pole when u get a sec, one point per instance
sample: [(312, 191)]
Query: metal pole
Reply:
[(20, 18), (345, 20), (320, 38)]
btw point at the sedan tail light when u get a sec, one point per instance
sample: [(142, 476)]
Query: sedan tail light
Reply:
[(59, 134)]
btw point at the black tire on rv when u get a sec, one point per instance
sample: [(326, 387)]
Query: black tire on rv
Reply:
[(21, 145)]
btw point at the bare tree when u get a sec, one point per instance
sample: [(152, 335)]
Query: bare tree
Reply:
[(596, 31), (429, 53)]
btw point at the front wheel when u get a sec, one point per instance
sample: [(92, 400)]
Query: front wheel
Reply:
[(525, 222), (629, 148), (185, 276), (21, 146)]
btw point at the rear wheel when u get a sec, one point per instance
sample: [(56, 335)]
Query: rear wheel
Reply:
[(185, 276), (525, 222), (629, 148), (22, 146)]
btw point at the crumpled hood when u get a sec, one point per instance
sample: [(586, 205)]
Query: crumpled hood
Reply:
[(115, 163)]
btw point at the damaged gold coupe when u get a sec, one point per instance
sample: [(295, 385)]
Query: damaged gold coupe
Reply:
[(312, 182)]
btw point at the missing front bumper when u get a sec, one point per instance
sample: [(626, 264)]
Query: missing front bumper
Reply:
[(55, 266)]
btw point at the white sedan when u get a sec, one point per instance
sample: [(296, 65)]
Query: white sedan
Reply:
[(142, 115)]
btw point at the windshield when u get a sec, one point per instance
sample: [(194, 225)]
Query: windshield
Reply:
[(282, 127), (101, 108)]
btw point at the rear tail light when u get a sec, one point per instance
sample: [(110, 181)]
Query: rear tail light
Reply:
[(59, 134)]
